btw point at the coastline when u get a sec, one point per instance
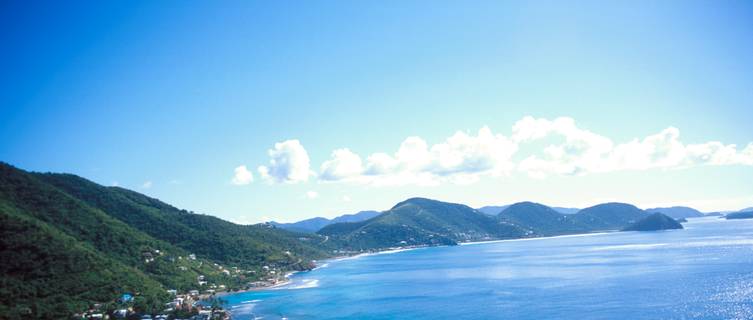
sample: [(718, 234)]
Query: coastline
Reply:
[(324, 263), (319, 264), (538, 238)]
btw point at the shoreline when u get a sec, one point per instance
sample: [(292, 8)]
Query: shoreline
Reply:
[(319, 264), (276, 285), (324, 263), (470, 243)]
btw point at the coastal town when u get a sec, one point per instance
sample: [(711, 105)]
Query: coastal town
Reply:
[(202, 302)]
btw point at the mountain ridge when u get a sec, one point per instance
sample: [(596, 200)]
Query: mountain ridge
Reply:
[(677, 212), (315, 224)]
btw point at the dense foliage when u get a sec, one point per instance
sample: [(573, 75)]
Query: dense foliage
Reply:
[(68, 243), (46, 273), (203, 235)]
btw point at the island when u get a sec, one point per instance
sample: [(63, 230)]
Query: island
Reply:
[(740, 215), (654, 222)]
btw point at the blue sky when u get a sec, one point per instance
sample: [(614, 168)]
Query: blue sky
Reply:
[(169, 98)]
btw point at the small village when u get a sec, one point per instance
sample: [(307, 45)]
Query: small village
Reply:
[(204, 302)]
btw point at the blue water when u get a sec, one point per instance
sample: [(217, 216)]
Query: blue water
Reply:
[(702, 272)]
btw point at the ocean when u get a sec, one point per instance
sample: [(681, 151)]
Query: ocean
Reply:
[(702, 272)]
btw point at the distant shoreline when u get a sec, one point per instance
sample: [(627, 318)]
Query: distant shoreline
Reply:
[(325, 262), (538, 238)]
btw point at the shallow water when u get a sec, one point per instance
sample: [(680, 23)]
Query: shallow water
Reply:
[(702, 272)]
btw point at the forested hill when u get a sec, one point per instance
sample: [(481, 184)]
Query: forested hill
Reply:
[(68, 242), (420, 221), (207, 236)]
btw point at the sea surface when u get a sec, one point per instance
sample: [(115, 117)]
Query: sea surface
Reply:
[(702, 272)]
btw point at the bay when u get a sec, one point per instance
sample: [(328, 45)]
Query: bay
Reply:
[(702, 272)]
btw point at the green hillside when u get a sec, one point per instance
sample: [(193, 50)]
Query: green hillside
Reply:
[(420, 221), (542, 220), (70, 231), (60, 255), (204, 235), (48, 274), (609, 216)]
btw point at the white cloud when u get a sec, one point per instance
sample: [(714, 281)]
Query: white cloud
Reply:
[(343, 165), (242, 176), (346, 199), (312, 195), (288, 163), (544, 147), (461, 158), (585, 152), (536, 147), (146, 185)]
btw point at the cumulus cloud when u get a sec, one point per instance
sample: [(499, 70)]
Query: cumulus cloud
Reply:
[(582, 151), (461, 158), (289, 163), (312, 195), (242, 176), (537, 147), (343, 165)]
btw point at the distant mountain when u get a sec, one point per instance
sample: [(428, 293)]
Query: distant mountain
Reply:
[(495, 210), (564, 210), (677, 212), (713, 214), (740, 215), (356, 217), (315, 224), (609, 216), (308, 225), (746, 209), (654, 222), (492, 210), (420, 221), (542, 220)]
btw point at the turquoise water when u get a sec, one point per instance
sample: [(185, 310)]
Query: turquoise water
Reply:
[(702, 272)]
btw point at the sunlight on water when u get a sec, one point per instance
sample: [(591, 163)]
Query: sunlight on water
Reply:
[(702, 272)]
